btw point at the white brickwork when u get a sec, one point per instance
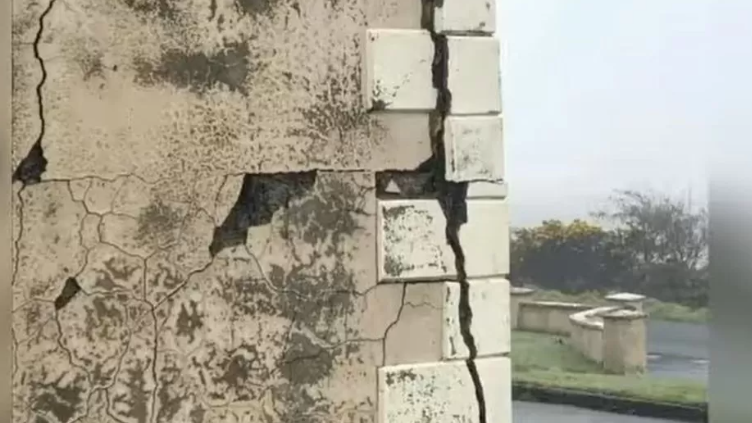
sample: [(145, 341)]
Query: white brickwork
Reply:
[(489, 300), (444, 392), (474, 148), (497, 189), (412, 243), (413, 246), (485, 238), (429, 328), (466, 16), (474, 75), (433, 371)]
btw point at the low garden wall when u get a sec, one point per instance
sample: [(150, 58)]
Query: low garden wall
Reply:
[(587, 332), (548, 316), (613, 336)]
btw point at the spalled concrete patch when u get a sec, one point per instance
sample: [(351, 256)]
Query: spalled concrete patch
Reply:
[(259, 198)]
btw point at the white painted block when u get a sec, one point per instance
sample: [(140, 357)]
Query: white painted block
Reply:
[(398, 73), (490, 327), (476, 190), (416, 337), (444, 392), (413, 246), (496, 378), (485, 238), (429, 329), (412, 241), (466, 16), (474, 148), (474, 75)]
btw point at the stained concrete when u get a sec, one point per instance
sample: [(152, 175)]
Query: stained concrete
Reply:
[(194, 210), (167, 89), (133, 318)]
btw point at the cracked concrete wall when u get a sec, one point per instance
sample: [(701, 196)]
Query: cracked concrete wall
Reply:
[(198, 201)]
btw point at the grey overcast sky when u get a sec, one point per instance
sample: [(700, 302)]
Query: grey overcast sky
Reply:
[(603, 95)]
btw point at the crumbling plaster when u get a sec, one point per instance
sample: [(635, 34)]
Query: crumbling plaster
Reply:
[(158, 329), (195, 211)]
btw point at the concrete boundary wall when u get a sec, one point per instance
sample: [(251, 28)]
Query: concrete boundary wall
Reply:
[(613, 336), (548, 316), (587, 332)]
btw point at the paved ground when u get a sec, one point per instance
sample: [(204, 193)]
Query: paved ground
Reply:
[(678, 350), (679, 339), (666, 366), (528, 412)]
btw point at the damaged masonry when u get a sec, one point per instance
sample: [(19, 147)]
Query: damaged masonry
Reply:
[(452, 197), (209, 229)]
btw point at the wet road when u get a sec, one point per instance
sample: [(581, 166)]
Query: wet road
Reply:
[(528, 412), (678, 350)]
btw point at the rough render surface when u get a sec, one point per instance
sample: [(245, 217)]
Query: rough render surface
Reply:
[(195, 218), (254, 85), (159, 276), (443, 392), (283, 325)]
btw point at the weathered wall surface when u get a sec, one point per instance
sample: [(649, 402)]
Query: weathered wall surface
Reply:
[(173, 89), (204, 194)]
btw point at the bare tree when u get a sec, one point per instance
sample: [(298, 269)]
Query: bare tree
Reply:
[(659, 229), (667, 240)]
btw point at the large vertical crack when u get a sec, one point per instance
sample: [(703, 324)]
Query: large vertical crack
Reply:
[(452, 196), (31, 167)]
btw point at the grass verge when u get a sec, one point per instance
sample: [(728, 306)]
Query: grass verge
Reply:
[(658, 310), (546, 360)]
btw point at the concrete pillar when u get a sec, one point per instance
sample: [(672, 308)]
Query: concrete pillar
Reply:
[(625, 299), (517, 296), (624, 342), (259, 210)]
